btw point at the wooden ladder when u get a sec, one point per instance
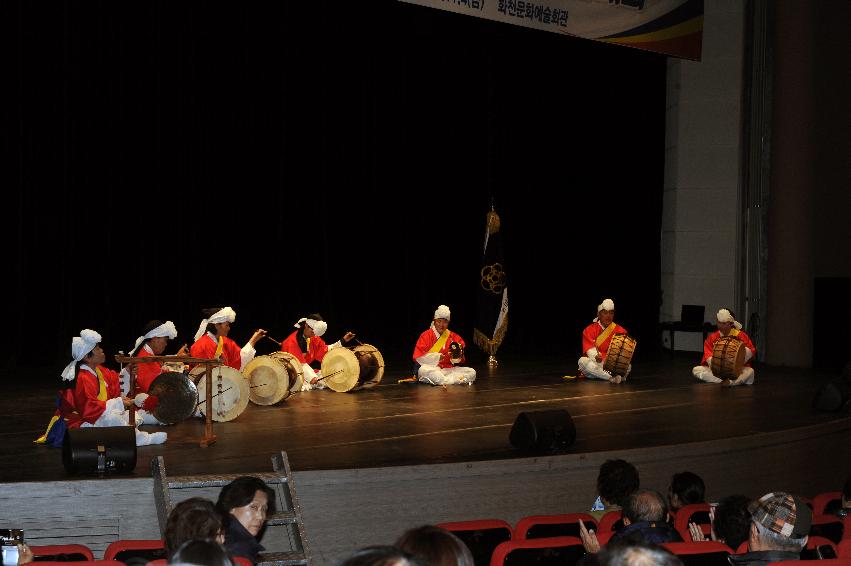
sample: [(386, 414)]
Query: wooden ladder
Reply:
[(284, 536)]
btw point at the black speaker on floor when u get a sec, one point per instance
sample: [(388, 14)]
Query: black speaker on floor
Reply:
[(833, 396), (545, 431), (94, 450)]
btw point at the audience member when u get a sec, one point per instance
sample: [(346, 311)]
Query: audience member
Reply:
[(779, 529), (846, 499), (381, 556), (193, 518), (616, 480), (637, 555), (645, 516), (686, 488), (243, 505), (731, 522), (435, 546), (201, 552)]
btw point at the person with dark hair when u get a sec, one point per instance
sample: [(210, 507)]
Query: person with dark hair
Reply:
[(193, 518), (731, 522), (615, 481), (846, 499), (153, 341), (686, 488), (211, 339), (201, 552), (436, 546), (381, 556), (779, 530), (645, 519), (727, 326), (243, 505), (596, 339), (90, 395), (637, 555), (308, 347), (439, 352)]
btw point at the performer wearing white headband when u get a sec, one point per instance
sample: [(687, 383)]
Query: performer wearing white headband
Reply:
[(211, 339), (307, 345), (90, 394), (153, 342), (727, 326), (432, 353), (596, 339)]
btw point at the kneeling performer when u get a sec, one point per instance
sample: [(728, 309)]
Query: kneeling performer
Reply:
[(307, 345)]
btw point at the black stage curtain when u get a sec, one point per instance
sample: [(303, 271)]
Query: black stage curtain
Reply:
[(293, 157)]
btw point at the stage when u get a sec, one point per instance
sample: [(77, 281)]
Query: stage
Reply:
[(370, 463)]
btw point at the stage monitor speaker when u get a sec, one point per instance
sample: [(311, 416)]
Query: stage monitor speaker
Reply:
[(833, 396), (99, 450), (550, 431)]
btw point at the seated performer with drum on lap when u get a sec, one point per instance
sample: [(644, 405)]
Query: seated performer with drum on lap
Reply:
[(597, 339), (307, 345), (437, 352), (153, 342), (211, 340), (727, 353)]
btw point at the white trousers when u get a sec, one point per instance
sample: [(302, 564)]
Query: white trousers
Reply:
[(595, 370), (446, 376), (704, 373), (113, 416), (309, 373)]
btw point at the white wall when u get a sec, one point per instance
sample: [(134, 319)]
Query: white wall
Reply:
[(702, 153)]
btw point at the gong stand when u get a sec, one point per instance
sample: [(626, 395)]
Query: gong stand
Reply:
[(208, 438)]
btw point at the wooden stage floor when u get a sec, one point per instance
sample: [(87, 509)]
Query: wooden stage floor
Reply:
[(408, 424)]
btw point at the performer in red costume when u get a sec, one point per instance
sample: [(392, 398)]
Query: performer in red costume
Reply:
[(595, 343), (727, 326), (211, 340), (307, 345), (153, 342), (91, 394), (434, 353)]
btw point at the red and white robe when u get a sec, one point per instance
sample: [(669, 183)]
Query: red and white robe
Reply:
[(432, 353)]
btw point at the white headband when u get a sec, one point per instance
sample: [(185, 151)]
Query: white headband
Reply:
[(80, 347), (606, 305), (725, 316), (227, 314), (319, 326), (442, 312), (165, 329)]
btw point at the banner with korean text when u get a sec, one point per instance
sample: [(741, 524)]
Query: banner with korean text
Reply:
[(672, 27)]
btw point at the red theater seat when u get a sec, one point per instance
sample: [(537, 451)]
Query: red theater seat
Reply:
[(481, 536), (62, 552), (122, 550), (697, 513), (546, 526), (561, 550)]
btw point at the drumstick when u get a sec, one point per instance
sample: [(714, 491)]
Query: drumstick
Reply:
[(329, 375), (213, 397), (272, 339)]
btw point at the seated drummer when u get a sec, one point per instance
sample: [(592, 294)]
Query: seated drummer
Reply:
[(211, 340), (153, 342), (596, 339), (727, 326), (307, 345), (432, 353), (90, 394)]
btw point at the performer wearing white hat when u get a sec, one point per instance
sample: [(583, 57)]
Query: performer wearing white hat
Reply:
[(211, 339), (153, 342), (91, 394), (596, 339), (727, 326), (307, 345), (433, 353)]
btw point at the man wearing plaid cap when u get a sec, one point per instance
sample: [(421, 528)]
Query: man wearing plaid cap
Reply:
[(780, 526)]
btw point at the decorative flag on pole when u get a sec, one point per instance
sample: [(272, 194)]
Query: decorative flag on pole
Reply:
[(492, 299)]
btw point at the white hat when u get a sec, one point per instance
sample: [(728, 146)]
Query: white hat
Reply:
[(442, 312), (80, 347), (606, 305), (725, 316), (319, 326), (226, 314), (165, 329)]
